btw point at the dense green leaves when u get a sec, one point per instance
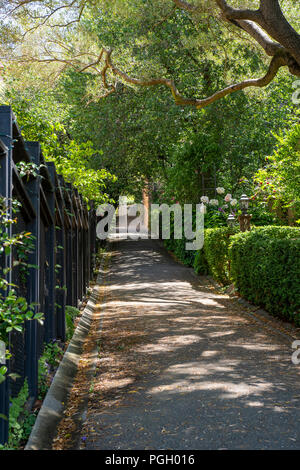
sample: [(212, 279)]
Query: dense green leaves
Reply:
[(139, 133), (14, 310), (279, 179), (42, 119), (265, 267)]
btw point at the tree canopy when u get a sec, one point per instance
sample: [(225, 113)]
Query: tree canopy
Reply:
[(84, 54), (125, 41)]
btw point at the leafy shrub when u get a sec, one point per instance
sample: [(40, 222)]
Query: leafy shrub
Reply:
[(214, 258), (214, 218), (14, 310), (52, 354), (200, 263), (21, 420), (265, 267), (279, 180), (178, 247), (43, 371), (71, 313), (261, 216), (187, 257), (47, 365), (216, 245)]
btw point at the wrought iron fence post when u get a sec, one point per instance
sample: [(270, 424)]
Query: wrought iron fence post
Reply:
[(4, 188), (50, 323), (33, 296), (61, 256)]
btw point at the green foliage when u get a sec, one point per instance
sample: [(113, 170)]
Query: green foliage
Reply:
[(16, 409), (72, 158), (71, 313), (178, 248), (52, 354), (200, 263), (216, 245), (215, 218), (279, 180), (139, 133), (28, 169), (142, 134), (21, 420), (261, 215), (43, 375), (265, 267), (48, 363), (263, 264), (14, 310), (3, 371), (198, 156)]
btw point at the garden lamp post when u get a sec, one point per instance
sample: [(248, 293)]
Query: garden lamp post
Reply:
[(231, 220), (244, 218)]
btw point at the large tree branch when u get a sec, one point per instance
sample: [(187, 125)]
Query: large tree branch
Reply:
[(228, 12), (237, 14), (269, 46), (245, 19), (273, 21), (262, 24), (279, 60)]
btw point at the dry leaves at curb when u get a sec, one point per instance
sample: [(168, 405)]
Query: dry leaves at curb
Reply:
[(69, 424)]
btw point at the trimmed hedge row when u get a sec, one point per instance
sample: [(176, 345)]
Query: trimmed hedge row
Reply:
[(265, 268), (263, 264), (178, 248), (214, 258)]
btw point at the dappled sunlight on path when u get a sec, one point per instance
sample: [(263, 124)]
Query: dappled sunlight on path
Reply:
[(182, 367)]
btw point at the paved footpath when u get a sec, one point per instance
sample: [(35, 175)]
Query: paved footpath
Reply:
[(183, 367)]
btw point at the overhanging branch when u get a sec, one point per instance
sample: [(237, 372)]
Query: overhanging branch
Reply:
[(262, 24), (279, 60), (237, 14), (269, 46)]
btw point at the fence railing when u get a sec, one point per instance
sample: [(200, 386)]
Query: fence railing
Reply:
[(64, 233)]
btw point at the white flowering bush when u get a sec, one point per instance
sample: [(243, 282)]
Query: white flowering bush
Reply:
[(218, 209), (220, 190), (214, 202)]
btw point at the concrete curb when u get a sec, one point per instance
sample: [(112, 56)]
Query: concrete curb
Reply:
[(51, 412)]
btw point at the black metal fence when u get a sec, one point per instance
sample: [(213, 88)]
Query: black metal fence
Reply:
[(64, 233)]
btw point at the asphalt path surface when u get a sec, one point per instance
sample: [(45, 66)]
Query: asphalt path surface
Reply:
[(183, 367)]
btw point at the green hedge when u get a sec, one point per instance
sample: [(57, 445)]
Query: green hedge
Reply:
[(265, 268), (178, 248), (263, 264), (200, 263), (213, 258)]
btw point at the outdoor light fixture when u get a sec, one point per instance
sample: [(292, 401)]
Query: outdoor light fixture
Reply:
[(244, 218), (231, 220), (244, 204)]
